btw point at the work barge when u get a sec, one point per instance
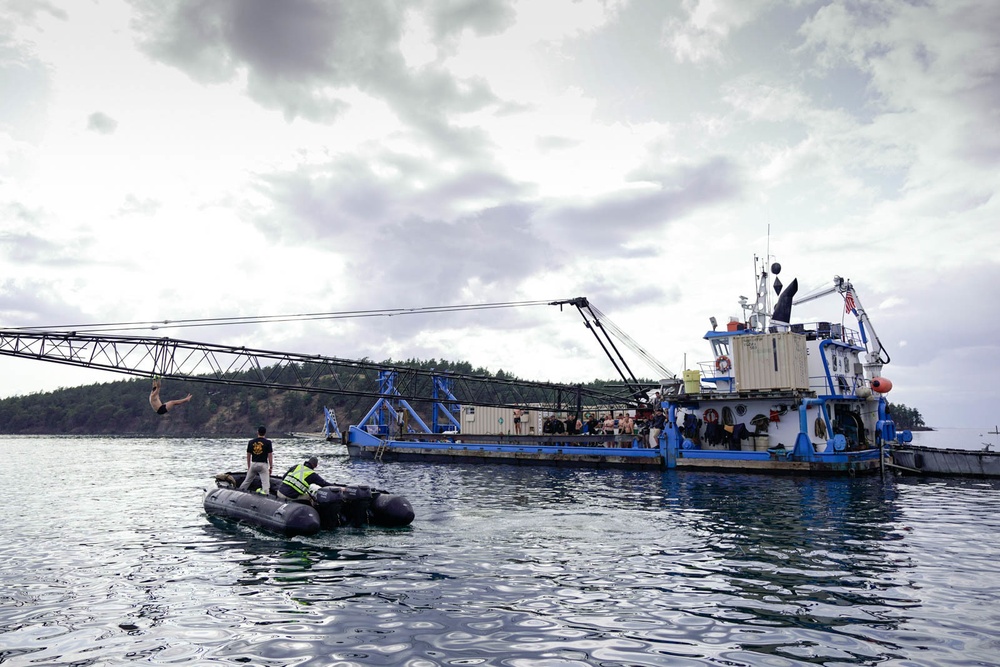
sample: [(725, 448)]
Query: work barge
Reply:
[(775, 396)]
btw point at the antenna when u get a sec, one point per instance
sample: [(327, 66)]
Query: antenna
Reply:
[(767, 282)]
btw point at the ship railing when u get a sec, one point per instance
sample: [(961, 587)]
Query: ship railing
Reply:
[(821, 330)]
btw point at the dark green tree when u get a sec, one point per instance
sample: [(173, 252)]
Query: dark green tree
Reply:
[(906, 418)]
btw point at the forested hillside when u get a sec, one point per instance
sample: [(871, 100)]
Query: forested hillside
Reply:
[(122, 407)]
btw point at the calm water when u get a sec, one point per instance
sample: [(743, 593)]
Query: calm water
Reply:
[(959, 438), (503, 566)]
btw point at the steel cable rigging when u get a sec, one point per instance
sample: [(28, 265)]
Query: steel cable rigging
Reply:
[(154, 325)]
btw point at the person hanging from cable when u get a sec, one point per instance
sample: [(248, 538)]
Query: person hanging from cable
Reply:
[(158, 405)]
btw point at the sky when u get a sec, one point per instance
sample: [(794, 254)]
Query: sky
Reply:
[(162, 161)]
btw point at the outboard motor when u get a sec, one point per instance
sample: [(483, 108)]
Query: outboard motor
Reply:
[(330, 505), (357, 501)]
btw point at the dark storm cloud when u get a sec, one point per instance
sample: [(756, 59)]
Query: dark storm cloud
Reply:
[(101, 123), (619, 217), (298, 53)]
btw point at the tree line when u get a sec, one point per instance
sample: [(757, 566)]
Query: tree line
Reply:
[(122, 407), (906, 418)]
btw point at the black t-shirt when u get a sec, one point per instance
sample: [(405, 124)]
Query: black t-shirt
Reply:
[(258, 449)]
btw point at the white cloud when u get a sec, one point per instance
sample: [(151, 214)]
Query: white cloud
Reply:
[(191, 159)]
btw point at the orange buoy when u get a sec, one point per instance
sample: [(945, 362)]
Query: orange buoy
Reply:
[(881, 385)]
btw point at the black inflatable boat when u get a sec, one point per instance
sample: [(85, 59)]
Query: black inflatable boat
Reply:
[(332, 506)]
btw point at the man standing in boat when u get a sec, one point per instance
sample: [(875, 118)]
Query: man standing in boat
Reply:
[(260, 461)]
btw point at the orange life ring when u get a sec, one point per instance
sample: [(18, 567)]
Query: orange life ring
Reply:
[(711, 416), (723, 364)]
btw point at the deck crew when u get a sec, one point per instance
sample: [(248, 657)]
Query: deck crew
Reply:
[(656, 428), (260, 461), (296, 482)]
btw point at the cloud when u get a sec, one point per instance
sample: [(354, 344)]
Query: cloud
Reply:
[(101, 123), (611, 221), (302, 57), (701, 35), (27, 11), (38, 303), (948, 52), (449, 18)]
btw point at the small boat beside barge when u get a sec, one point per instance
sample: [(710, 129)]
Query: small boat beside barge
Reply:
[(936, 461), (775, 397), (331, 507)]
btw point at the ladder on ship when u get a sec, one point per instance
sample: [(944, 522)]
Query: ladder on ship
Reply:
[(380, 450), (330, 428)]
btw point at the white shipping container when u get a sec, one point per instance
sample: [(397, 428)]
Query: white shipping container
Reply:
[(486, 420), (770, 361)]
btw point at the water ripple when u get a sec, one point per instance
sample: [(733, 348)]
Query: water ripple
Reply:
[(503, 566)]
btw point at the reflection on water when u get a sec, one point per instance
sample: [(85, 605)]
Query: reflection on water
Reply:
[(502, 566)]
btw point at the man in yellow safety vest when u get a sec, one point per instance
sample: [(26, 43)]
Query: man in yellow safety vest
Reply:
[(296, 482)]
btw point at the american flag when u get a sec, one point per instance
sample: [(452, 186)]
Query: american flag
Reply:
[(849, 301)]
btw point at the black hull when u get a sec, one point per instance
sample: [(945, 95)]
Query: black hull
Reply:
[(263, 512), (332, 507)]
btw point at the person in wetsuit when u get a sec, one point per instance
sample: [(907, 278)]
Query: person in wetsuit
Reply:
[(295, 483), (159, 406)]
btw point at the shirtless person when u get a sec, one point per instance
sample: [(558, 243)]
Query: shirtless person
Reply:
[(161, 407)]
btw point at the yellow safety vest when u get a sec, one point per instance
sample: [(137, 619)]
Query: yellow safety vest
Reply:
[(297, 478)]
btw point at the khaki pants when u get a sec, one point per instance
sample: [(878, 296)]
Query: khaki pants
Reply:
[(261, 469), (654, 437)]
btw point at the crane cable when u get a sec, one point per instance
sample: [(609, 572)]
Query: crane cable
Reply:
[(629, 342), (260, 319)]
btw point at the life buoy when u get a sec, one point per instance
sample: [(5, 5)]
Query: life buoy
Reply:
[(711, 416), (723, 364)]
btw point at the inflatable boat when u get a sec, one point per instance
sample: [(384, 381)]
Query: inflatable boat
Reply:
[(331, 507)]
